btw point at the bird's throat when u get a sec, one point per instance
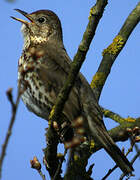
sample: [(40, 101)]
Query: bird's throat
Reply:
[(31, 39)]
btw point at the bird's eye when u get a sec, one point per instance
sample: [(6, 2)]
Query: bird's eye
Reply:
[(41, 19)]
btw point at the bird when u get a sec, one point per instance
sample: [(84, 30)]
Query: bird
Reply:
[(42, 70)]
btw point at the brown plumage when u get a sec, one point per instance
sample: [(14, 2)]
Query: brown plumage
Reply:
[(43, 69)]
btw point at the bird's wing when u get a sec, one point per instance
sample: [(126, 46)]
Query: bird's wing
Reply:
[(53, 74), (56, 65)]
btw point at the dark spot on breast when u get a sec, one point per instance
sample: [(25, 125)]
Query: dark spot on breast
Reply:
[(35, 99), (46, 99), (33, 96), (25, 57), (44, 104), (40, 83), (32, 92), (40, 95), (36, 87), (39, 102), (37, 78)]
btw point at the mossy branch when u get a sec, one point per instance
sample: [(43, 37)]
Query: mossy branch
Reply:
[(117, 117), (113, 50)]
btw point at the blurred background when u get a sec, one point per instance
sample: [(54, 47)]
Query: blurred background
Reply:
[(121, 92)]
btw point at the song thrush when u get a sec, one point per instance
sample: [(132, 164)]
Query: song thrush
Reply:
[(42, 70)]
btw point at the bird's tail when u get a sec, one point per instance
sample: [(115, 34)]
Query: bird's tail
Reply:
[(112, 149)]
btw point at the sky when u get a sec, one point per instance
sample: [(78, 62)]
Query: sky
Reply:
[(120, 93)]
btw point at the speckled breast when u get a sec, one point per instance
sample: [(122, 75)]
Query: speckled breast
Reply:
[(35, 96)]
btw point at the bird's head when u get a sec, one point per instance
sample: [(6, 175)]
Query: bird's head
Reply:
[(42, 26)]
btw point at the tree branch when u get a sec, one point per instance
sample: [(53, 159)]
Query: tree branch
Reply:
[(60, 166), (113, 50), (115, 167), (51, 160), (9, 132), (132, 162), (116, 117)]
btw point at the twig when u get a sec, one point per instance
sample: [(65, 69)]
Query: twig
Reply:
[(9, 132), (59, 166), (42, 175), (109, 172), (135, 157), (137, 150), (115, 167), (132, 162), (35, 164)]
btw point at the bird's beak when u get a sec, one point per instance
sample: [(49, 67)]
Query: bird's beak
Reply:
[(24, 14)]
